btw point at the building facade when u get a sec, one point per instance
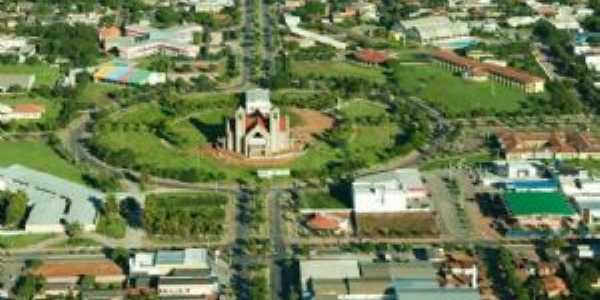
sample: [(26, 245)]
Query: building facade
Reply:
[(258, 129)]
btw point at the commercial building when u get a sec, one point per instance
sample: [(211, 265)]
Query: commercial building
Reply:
[(430, 29), (351, 279), (29, 111), (8, 81), (70, 271), (195, 288), (53, 201), (164, 262), (124, 74), (504, 75), (258, 129), (293, 23), (395, 191), (539, 209), (548, 145), (141, 41)]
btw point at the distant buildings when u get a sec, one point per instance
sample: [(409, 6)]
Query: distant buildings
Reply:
[(258, 129), (115, 72), (211, 6), (27, 111), (11, 81), (548, 145), (52, 201), (482, 71), (18, 46), (430, 29), (522, 21), (293, 23), (395, 191), (141, 41)]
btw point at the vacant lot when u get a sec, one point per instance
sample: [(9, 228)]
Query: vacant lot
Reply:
[(24, 240), (185, 214), (322, 200), (453, 94), (336, 69), (44, 74), (397, 225), (37, 155)]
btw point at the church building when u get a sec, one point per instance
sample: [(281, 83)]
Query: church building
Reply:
[(258, 129)]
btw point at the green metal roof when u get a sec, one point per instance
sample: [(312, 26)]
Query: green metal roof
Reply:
[(532, 203)]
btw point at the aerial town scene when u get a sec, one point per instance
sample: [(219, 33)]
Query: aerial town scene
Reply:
[(300, 149)]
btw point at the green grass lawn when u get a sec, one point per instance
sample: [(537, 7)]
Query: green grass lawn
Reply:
[(321, 199), (97, 93), (145, 113), (23, 240), (362, 108), (77, 242), (337, 69), (37, 155), (44, 74), (454, 94)]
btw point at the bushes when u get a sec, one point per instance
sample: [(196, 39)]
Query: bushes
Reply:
[(185, 215)]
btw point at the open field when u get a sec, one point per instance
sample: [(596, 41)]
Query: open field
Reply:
[(322, 199), (336, 69), (44, 74), (453, 94), (97, 93), (37, 155), (397, 224), (363, 109), (23, 240)]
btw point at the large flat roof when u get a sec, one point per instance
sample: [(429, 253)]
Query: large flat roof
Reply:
[(532, 203)]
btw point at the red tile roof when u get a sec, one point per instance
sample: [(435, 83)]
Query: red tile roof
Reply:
[(508, 72), (323, 222), (29, 108), (371, 56), (108, 33), (101, 267)]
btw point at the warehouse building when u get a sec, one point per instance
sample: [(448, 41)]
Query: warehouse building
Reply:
[(53, 201), (430, 29), (539, 209)]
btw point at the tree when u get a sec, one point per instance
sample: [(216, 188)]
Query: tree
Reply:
[(28, 286), (167, 15), (87, 282), (74, 229), (15, 207)]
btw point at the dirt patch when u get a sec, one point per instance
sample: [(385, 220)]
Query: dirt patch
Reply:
[(397, 225), (313, 124)]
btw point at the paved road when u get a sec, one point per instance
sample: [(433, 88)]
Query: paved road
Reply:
[(240, 260), (278, 243)]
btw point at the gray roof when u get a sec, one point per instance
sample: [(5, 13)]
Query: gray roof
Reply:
[(24, 81), (257, 95), (175, 257), (413, 270), (51, 193), (429, 289)]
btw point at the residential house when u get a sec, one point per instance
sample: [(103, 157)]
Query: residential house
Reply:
[(400, 190), (26, 111), (18, 46), (554, 286)]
